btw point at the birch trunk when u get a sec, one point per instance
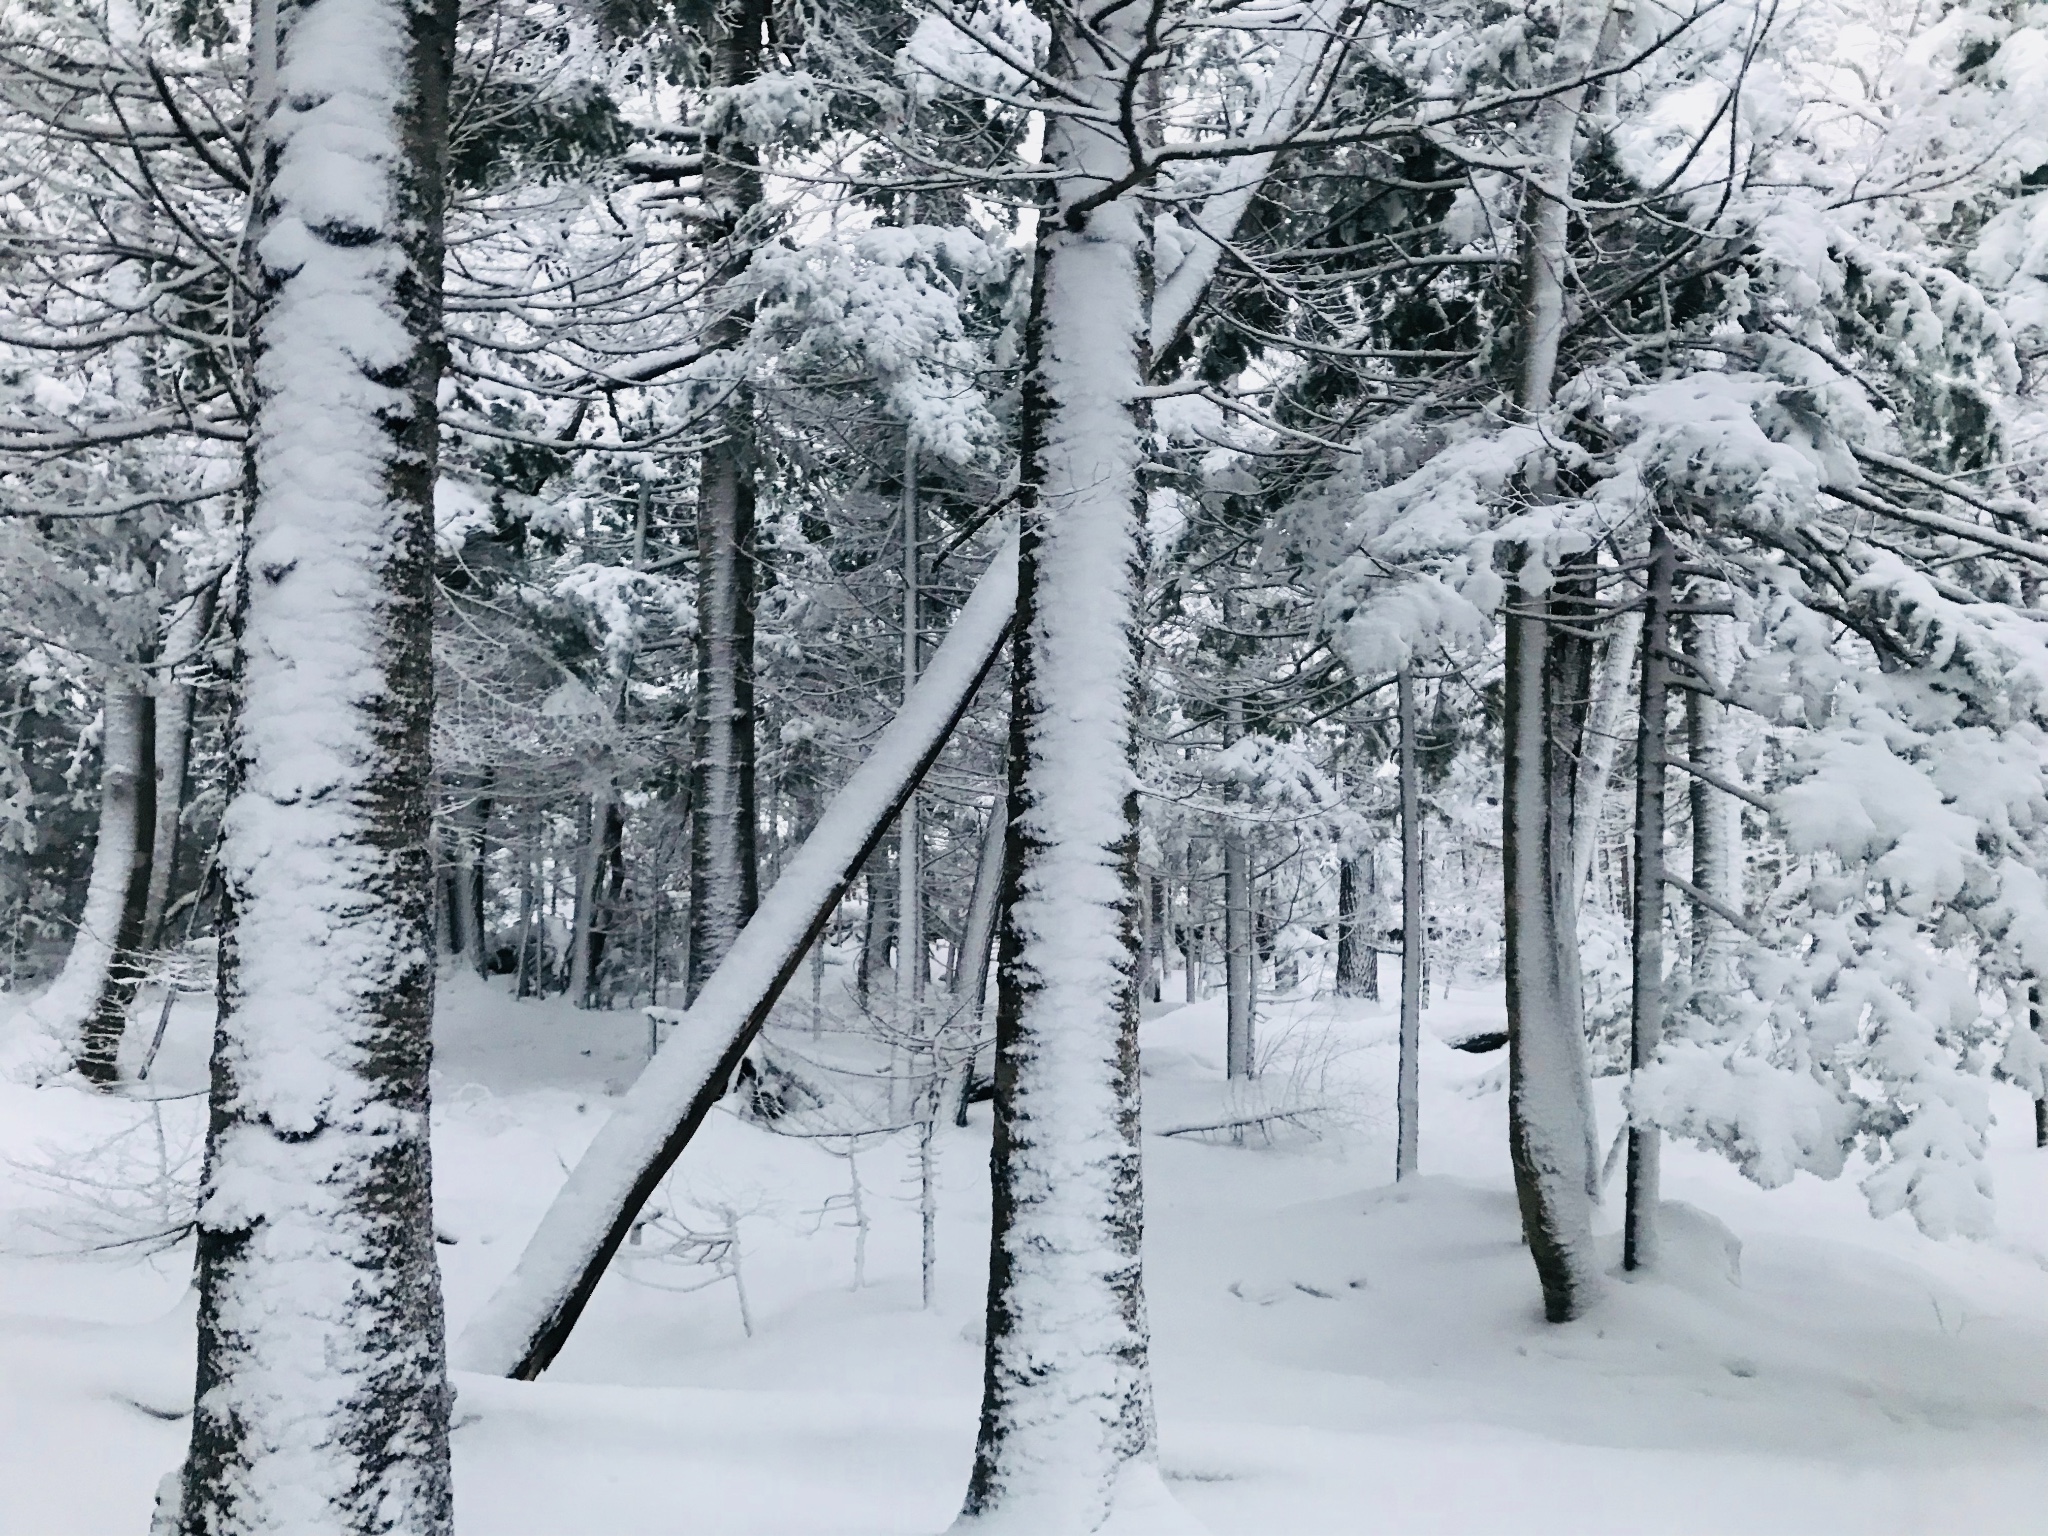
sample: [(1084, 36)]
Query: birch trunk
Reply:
[(322, 1397), (1066, 1419), (724, 871)]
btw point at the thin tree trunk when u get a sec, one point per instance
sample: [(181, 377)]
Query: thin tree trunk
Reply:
[(1240, 962), (723, 870), (531, 943), (911, 959), (970, 980), (173, 749), (1603, 740), (1646, 1019), (1716, 815), (322, 1395), (1191, 931), (1066, 1396), (73, 1012), (1408, 1093)]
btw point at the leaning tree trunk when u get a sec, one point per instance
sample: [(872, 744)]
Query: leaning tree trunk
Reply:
[(323, 1401), (72, 1012), (1550, 1122), (1066, 1419), (724, 871)]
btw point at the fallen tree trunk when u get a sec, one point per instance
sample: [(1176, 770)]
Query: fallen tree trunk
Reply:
[(523, 1327)]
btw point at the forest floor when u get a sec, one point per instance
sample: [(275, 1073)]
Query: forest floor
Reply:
[(1333, 1354)]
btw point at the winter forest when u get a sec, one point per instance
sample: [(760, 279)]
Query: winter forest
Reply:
[(1024, 767)]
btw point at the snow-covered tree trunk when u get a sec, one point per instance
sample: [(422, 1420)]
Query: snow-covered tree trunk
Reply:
[(322, 1401), (1646, 1014), (1603, 740), (98, 1057), (1550, 1121), (911, 960), (173, 750), (1408, 1086), (73, 1014), (1716, 814), (724, 871), (1066, 1423), (1240, 956)]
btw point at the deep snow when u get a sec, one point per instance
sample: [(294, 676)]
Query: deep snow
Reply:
[(1332, 1354)]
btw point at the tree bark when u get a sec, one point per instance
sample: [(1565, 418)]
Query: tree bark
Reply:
[(1066, 1394), (172, 754), (600, 849), (1716, 815), (1408, 1090), (1550, 1121), (1603, 739), (322, 1395), (98, 1057), (1240, 956), (724, 873), (1646, 1018)]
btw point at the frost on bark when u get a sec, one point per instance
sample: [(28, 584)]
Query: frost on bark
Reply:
[(82, 1013), (323, 1402), (723, 867), (1548, 676), (1066, 1407)]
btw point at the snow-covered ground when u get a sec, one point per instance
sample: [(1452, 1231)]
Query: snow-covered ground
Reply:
[(1332, 1354)]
